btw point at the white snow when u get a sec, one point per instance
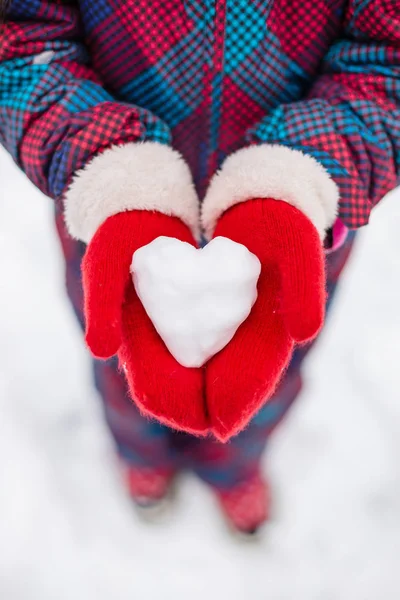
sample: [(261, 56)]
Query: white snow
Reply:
[(67, 531), (196, 298)]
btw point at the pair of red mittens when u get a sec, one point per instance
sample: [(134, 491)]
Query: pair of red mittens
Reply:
[(222, 396)]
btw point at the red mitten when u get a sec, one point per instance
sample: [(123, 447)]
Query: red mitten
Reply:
[(116, 321), (290, 308)]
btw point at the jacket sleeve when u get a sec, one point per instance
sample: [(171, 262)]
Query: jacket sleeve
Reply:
[(346, 131), (65, 130)]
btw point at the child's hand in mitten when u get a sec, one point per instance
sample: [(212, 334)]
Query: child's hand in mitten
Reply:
[(116, 321), (290, 308)]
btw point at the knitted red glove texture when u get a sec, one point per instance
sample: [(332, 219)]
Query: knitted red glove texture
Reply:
[(290, 308), (116, 321)]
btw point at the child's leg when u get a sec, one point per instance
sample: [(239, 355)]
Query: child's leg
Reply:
[(224, 466), (142, 445), (233, 469), (139, 441), (147, 459)]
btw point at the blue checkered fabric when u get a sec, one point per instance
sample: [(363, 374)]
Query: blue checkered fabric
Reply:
[(209, 77)]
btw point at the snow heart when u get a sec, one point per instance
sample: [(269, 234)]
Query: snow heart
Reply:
[(196, 298)]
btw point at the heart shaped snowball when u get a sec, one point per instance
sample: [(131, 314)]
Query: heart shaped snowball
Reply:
[(196, 298)]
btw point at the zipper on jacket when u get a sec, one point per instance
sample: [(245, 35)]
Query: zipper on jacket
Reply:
[(219, 35), (218, 76), (216, 17)]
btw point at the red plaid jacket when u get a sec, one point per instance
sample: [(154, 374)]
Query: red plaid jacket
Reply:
[(303, 94)]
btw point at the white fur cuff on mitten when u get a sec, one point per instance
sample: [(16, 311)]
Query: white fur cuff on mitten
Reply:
[(272, 171), (136, 176)]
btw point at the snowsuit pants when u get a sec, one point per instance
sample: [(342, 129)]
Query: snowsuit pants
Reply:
[(142, 442)]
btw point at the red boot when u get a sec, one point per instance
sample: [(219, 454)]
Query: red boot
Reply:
[(247, 505), (147, 486)]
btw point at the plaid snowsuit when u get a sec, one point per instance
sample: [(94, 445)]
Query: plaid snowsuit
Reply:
[(146, 443), (208, 77)]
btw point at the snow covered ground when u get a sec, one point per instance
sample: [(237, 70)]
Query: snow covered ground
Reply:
[(67, 532)]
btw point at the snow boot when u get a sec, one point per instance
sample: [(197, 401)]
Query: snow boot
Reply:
[(150, 489), (246, 507)]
